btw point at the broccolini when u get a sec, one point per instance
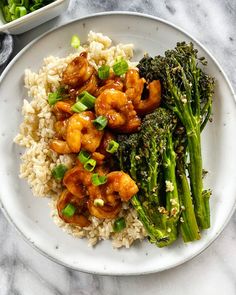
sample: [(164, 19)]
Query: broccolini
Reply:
[(187, 91), (150, 159)]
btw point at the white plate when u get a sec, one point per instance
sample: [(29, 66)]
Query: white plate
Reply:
[(30, 215)]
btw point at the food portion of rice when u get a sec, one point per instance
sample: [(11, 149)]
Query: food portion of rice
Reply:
[(37, 129)]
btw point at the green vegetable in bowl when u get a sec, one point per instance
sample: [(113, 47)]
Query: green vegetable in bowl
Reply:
[(14, 9)]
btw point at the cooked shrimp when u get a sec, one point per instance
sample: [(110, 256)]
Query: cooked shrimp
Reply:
[(107, 137), (59, 146), (115, 83), (120, 112), (82, 133), (77, 72), (62, 109), (102, 170), (91, 86), (98, 192), (73, 133), (98, 157), (79, 217), (105, 211), (77, 180), (152, 101), (134, 86), (121, 185), (60, 128)]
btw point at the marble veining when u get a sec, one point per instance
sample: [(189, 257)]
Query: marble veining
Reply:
[(23, 271)]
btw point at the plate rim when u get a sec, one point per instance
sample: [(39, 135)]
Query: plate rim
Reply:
[(94, 15)]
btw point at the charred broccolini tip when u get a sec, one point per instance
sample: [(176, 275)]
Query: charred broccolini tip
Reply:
[(187, 91)]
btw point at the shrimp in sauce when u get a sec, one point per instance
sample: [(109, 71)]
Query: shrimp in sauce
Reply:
[(59, 146), (60, 127), (77, 180), (90, 86), (102, 149), (77, 72), (112, 83), (79, 218), (121, 185), (115, 106), (134, 86), (105, 211), (82, 133), (62, 109), (153, 100)]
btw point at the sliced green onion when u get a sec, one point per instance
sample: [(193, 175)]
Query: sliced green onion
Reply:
[(104, 72), (6, 13), (16, 2), (54, 97), (120, 67), (25, 3), (83, 157), (36, 6), (112, 146), (69, 210), (79, 107), (98, 179), (90, 165), (100, 122), (98, 202), (119, 224), (20, 11), (59, 171), (87, 99), (12, 8), (75, 41)]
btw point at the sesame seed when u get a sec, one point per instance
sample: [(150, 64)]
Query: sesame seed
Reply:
[(169, 186)]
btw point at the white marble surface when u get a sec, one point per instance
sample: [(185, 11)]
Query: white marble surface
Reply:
[(25, 271)]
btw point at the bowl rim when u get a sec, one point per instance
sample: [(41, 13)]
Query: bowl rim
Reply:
[(29, 16), (127, 13)]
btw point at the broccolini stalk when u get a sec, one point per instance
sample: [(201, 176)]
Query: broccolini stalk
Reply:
[(172, 198), (156, 234), (188, 223), (187, 91)]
